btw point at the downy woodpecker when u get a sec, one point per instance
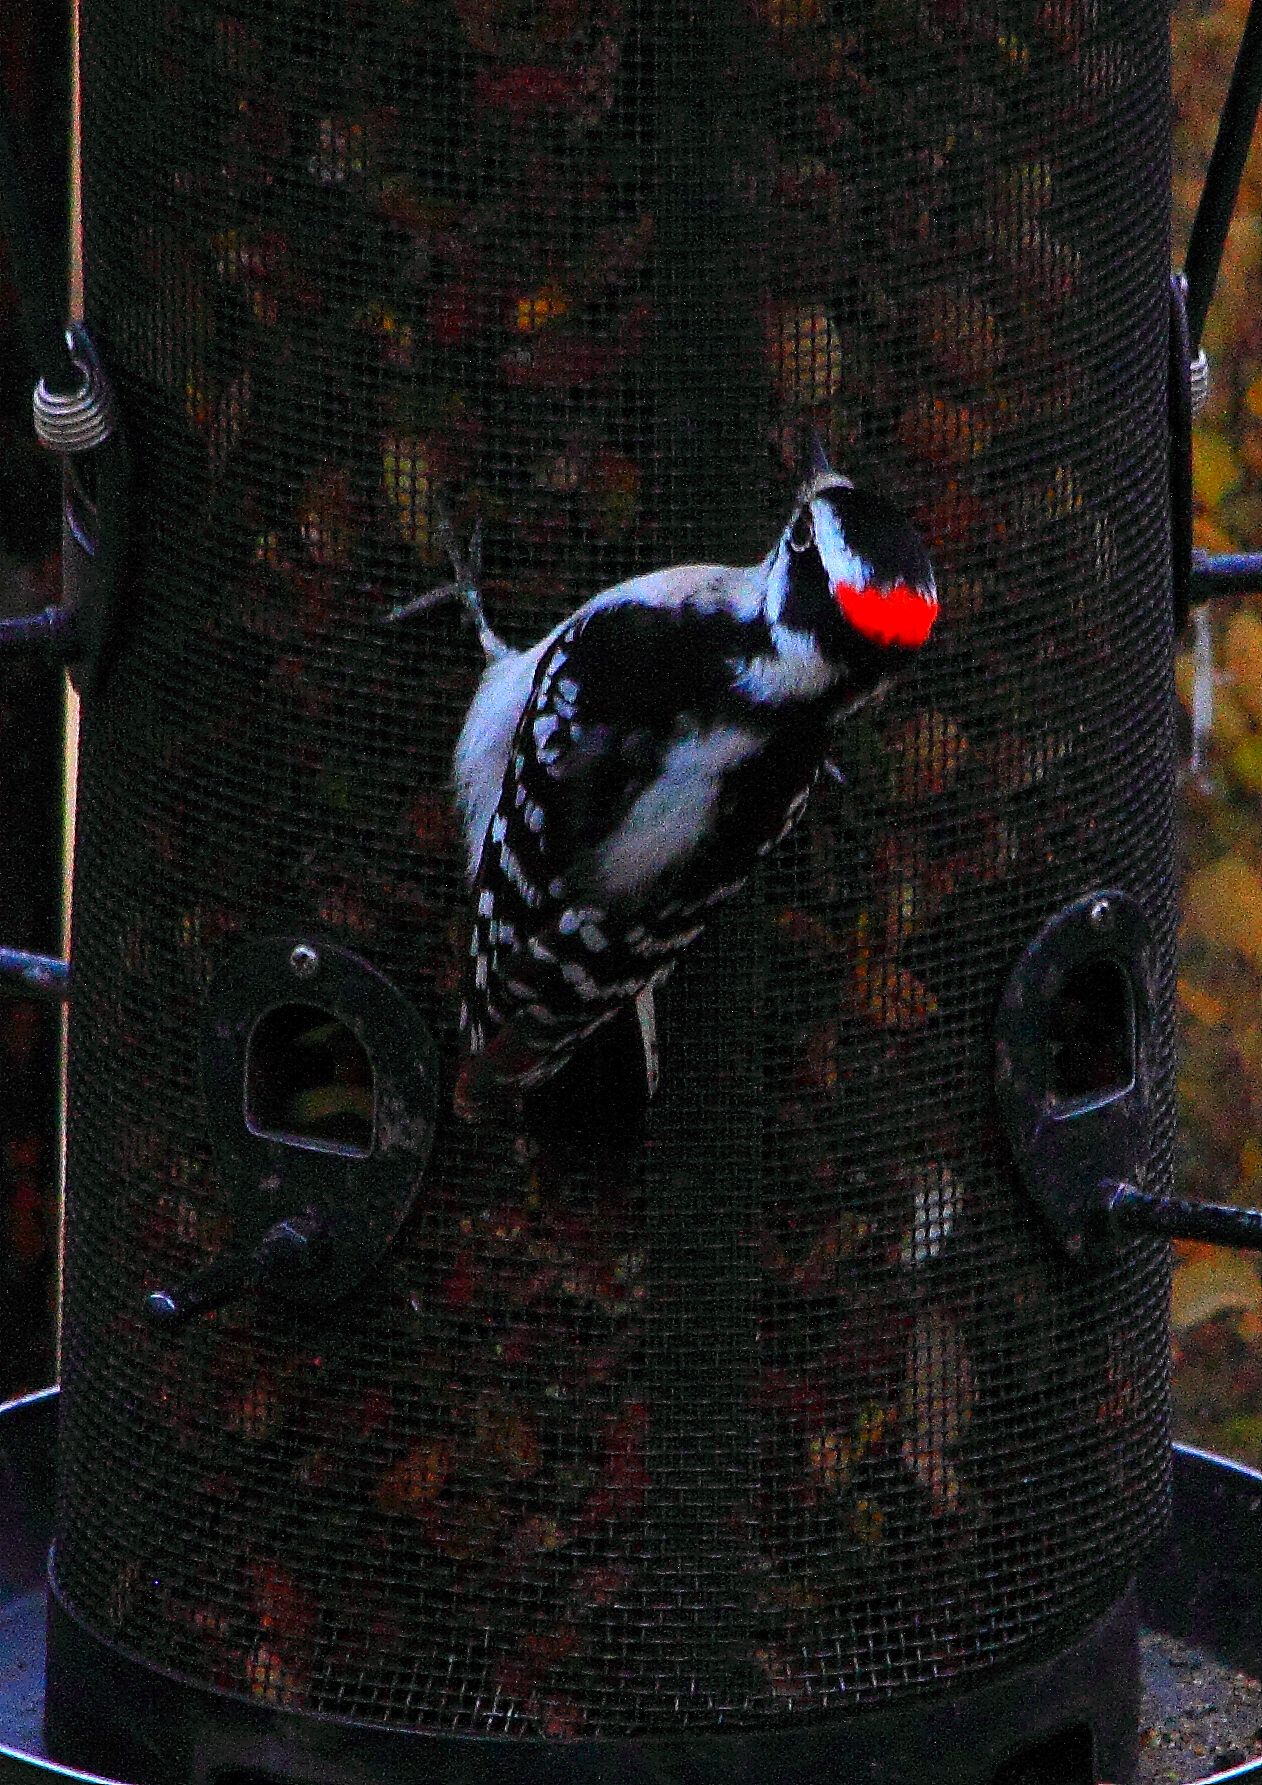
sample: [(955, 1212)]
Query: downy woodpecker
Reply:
[(621, 779)]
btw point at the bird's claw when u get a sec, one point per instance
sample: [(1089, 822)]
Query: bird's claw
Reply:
[(420, 604), (467, 569)]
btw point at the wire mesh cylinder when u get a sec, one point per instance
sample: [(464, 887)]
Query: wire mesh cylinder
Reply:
[(798, 1413)]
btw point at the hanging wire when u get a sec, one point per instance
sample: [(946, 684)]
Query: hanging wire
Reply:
[(1222, 179), (74, 416), (41, 311)]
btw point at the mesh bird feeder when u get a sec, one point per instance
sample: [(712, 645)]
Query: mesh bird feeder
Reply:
[(790, 1437)]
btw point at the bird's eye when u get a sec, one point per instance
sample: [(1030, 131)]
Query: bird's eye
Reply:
[(802, 532)]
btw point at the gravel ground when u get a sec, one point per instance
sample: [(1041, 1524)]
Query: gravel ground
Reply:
[(1199, 1717)]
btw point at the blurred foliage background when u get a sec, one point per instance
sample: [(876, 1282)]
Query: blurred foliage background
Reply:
[(1217, 1305)]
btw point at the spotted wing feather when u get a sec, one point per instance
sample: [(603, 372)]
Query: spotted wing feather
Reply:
[(602, 860)]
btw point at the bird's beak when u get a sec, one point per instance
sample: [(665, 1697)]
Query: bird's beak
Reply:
[(819, 458)]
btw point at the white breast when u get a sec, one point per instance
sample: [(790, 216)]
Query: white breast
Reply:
[(486, 738), (674, 812)]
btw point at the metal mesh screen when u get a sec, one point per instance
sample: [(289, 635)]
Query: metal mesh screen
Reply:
[(799, 1412)]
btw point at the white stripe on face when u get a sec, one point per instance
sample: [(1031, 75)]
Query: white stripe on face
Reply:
[(841, 565)]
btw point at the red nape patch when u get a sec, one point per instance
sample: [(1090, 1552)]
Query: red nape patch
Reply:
[(897, 616)]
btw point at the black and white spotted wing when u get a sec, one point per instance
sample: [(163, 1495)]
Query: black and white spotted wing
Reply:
[(638, 795)]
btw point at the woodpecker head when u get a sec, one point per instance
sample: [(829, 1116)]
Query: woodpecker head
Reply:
[(851, 570)]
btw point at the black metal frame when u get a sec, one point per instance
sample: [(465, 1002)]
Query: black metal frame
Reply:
[(1077, 1155), (1222, 179), (25, 975), (67, 378), (308, 1222)]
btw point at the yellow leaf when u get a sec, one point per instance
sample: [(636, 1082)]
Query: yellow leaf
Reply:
[(408, 478), (943, 430), (927, 755), (1201, 1005), (308, 1108), (1210, 536), (1215, 467), (1224, 904), (1215, 1282), (867, 1521), (937, 1405), (828, 1456), (806, 353), (1251, 1160), (893, 996), (1253, 398), (1246, 764), (1242, 658), (1013, 50), (1232, 724), (537, 308)]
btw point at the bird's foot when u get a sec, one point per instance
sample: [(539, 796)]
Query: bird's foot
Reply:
[(467, 572)]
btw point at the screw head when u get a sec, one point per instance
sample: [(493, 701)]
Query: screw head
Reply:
[(1101, 913), (304, 962), (162, 1307)]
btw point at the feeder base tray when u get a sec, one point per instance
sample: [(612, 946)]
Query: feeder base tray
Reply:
[(1204, 1588)]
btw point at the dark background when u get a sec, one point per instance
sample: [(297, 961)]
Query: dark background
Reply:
[(33, 68)]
